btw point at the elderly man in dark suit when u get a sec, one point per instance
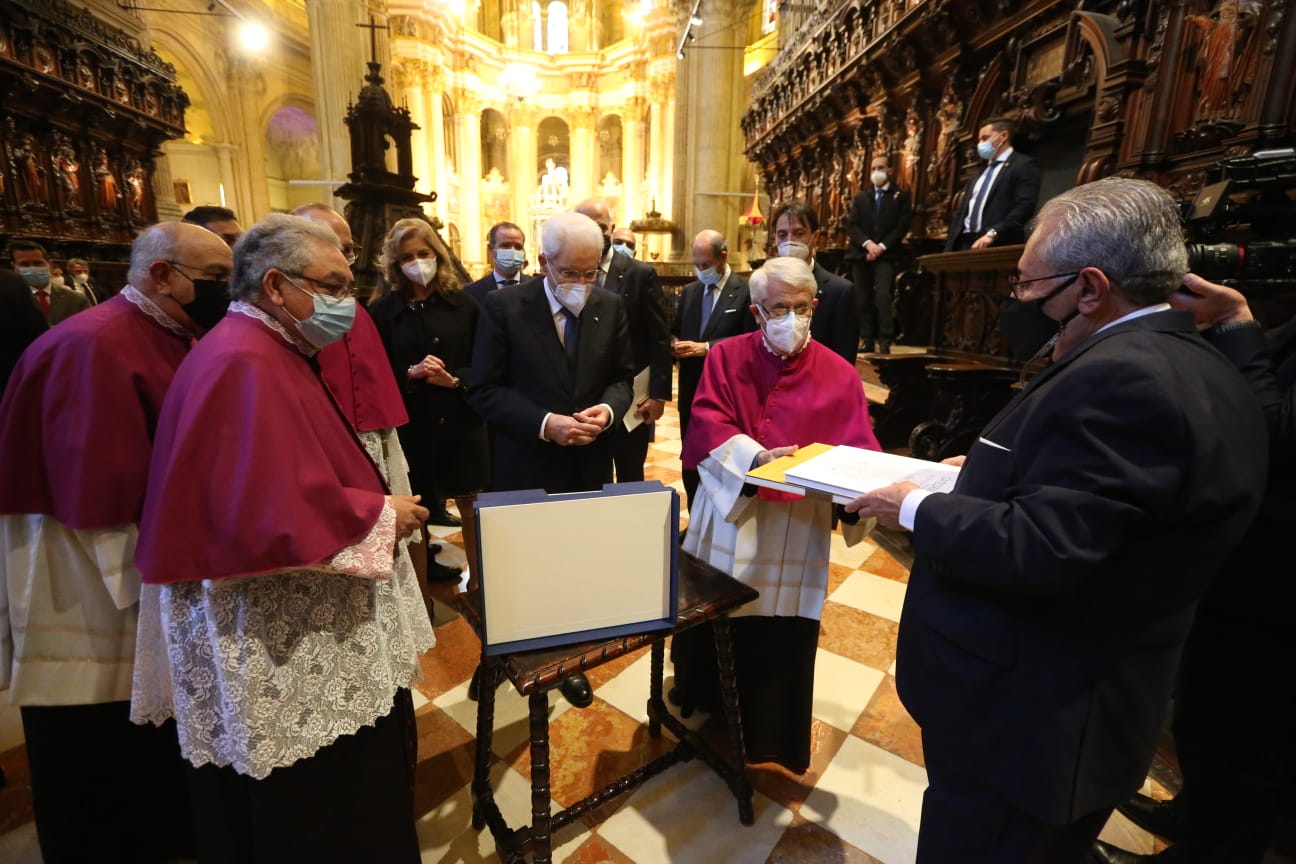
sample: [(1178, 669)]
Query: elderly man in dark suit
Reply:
[(551, 374), (640, 290), (506, 247), (836, 322), (1054, 587), (1000, 200), (711, 309), (878, 222)]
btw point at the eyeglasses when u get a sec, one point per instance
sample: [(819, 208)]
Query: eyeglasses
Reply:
[(802, 310), (339, 292), (576, 275), (351, 252), (1016, 283), (218, 274)]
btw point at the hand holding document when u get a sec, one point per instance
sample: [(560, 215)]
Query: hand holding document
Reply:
[(844, 473), (632, 417)]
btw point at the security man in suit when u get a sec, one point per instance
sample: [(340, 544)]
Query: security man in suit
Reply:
[(836, 323), (1000, 200), (506, 247), (711, 309), (640, 290), (33, 264), (878, 222)]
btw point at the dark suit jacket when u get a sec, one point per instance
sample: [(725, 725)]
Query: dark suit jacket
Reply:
[(483, 286), (836, 321), (520, 373), (1051, 593), (64, 304), (890, 226), (640, 290), (730, 316), (1009, 206), (21, 321)]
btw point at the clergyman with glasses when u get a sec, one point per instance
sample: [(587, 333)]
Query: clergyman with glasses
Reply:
[(762, 395), (276, 625), (1053, 588)]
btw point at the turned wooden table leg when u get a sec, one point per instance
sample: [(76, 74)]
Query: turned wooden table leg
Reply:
[(729, 694), (481, 790), (542, 841), (655, 703)]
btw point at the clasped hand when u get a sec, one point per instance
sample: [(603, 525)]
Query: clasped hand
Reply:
[(577, 429), (410, 516)]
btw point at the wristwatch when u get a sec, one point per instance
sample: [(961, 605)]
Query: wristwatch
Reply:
[(991, 233)]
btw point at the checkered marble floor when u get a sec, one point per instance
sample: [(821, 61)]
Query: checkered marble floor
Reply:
[(858, 804)]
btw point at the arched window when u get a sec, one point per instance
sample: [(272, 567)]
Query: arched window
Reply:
[(557, 27)]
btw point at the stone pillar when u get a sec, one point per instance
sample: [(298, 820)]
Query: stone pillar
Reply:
[(338, 54), (632, 161), (523, 175), (408, 78), (228, 179), (438, 169), (468, 131), (584, 155), (168, 210)]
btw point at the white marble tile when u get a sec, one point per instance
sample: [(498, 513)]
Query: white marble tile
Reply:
[(668, 445), (872, 800), (874, 594), (446, 835), (852, 557), (687, 815), (1121, 832), (628, 691), (512, 714), (419, 699), (892, 669), (842, 689)]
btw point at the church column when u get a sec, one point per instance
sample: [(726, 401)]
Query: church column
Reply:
[(659, 95), (409, 77), (523, 173), (338, 54), (632, 161), (584, 177), (468, 132), (438, 168), (164, 191)]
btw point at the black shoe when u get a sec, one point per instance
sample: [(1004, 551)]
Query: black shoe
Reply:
[(444, 517), (434, 548), (438, 572), (866, 346), (576, 690), (1162, 818), (1105, 853), (884, 347)]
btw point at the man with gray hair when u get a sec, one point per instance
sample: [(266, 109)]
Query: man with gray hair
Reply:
[(78, 271), (76, 432), (762, 395), (1053, 588), (277, 624), (551, 373)]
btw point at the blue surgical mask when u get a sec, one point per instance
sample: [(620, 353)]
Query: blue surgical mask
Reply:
[(509, 261), (332, 319), (623, 249), (709, 276), (37, 277), (986, 150)]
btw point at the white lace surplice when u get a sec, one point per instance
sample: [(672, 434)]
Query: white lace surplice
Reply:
[(264, 671)]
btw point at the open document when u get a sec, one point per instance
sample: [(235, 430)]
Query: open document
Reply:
[(845, 473), (632, 420)]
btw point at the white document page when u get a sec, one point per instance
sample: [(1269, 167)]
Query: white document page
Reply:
[(848, 472), (632, 420)]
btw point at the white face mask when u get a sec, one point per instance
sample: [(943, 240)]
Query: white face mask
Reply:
[(571, 295), (794, 249), (420, 271), (879, 178), (56, 282), (81, 279), (509, 261), (786, 335)]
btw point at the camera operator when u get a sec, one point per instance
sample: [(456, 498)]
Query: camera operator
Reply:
[(1237, 750)]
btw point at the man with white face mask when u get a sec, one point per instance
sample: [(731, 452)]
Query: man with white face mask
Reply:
[(879, 220), (761, 396), (1001, 198), (506, 248), (78, 273), (836, 322)]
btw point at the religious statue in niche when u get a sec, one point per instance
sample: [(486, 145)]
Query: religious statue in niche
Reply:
[(553, 185), (940, 169), (1227, 55), (911, 150), (135, 188), (26, 159), (105, 183), (66, 169), (85, 74)]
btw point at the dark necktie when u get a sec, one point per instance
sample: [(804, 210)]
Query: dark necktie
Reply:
[(508, 282), (979, 200), (571, 335), (42, 297), (877, 206), (708, 302)]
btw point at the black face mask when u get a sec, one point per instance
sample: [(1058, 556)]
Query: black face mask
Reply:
[(1025, 326), (211, 300)]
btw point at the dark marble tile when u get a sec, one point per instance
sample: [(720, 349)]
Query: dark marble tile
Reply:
[(837, 574), (887, 724), (856, 634), (880, 563), (445, 759), (15, 796), (791, 790), (596, 850), (451, 661), (807, 843)]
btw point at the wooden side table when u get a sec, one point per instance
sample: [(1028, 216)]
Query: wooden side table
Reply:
[(705, 594)]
